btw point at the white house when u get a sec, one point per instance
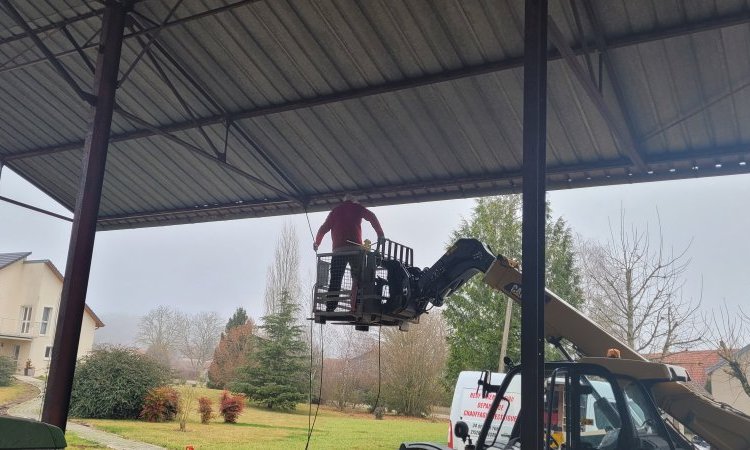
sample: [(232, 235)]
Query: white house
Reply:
[(725, 387), (29, 302)]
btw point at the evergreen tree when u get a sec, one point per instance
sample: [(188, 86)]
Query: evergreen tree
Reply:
[(476, 314), (238, 318), (276, 376)]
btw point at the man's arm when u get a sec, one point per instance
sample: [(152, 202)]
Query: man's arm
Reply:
[(370, 217), (325, 228)]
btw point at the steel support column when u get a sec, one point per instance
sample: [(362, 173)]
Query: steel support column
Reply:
[(534, 185), (72, 302)]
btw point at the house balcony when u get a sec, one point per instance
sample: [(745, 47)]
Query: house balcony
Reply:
[(15, 329)]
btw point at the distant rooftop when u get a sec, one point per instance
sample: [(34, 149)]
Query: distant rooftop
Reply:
[(697, 363), (9, 258)]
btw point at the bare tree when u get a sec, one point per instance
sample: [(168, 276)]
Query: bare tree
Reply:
[(159, 330), (729, 333), (282, 277), (634, 290), (198, 337), (413, 363), (351, 370)]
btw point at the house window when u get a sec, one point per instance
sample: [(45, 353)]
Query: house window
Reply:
[(25, 319), (16, 353), (48, 352), (46, 315)]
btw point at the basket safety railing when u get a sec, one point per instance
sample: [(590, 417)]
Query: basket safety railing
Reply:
[(389, 249)]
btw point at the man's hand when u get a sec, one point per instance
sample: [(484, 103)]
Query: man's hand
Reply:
[(315, 247)]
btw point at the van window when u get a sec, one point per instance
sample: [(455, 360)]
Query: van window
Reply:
[(505, 416)]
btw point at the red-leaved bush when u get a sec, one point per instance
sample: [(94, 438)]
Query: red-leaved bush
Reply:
[(205, 409), (160, 404), (231, 406)]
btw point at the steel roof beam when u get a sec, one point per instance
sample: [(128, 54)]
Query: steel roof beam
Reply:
[(576, 171), (84, 57), (265, 157), (498, 66), (185, 72), (614, 78), (49, 55), (52, 26), (183, 20), (199, 152), (151, 39), (583, 40), (34, 208), (165, 78), (622, 133), (394, 195), (616, 42)]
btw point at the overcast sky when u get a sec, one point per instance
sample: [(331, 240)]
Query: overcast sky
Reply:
[(221, 265)]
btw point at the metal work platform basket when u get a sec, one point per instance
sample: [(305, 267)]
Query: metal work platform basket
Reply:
[(352, 284)]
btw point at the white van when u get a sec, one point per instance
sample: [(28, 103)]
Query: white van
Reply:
[(469, 406)]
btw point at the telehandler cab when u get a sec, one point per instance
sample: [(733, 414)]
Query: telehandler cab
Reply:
[(591, 402)]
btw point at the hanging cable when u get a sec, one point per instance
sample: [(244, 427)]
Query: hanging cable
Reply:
[(309, 226), (320, 391), (310, 391), (377, 397)]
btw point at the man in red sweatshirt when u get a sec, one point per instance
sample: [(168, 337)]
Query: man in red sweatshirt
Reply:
[(345, 224)]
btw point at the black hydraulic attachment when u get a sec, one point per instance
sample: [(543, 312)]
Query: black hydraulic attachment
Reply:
[(365, 287)]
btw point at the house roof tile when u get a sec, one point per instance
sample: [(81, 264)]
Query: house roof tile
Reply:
[(697, 363), (9, 258)]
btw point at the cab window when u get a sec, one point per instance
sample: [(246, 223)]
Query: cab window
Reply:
[(599, 417), (647, 425)]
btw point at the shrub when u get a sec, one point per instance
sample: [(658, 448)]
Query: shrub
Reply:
[(187, 395), (205, 408), (160, 404), (231, 406), (7, 368), (111, 383)]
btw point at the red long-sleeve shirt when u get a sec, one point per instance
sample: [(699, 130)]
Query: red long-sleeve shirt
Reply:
[(345, 224)]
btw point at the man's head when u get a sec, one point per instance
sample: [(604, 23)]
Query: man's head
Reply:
[(349, 198)]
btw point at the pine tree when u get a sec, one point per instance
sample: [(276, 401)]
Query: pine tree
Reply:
[(238, 318), (276, 376), (476, 314)]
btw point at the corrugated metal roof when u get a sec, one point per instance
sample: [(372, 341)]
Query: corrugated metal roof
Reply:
[(9, 258), (397, 101)]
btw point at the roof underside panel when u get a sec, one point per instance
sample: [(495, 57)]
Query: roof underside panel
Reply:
[(254, 108)]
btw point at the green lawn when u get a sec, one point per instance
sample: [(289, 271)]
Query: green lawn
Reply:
[(17, 392), (76, 442), (262, 429)]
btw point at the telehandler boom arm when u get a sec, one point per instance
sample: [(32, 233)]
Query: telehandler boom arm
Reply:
[(722, 426)]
